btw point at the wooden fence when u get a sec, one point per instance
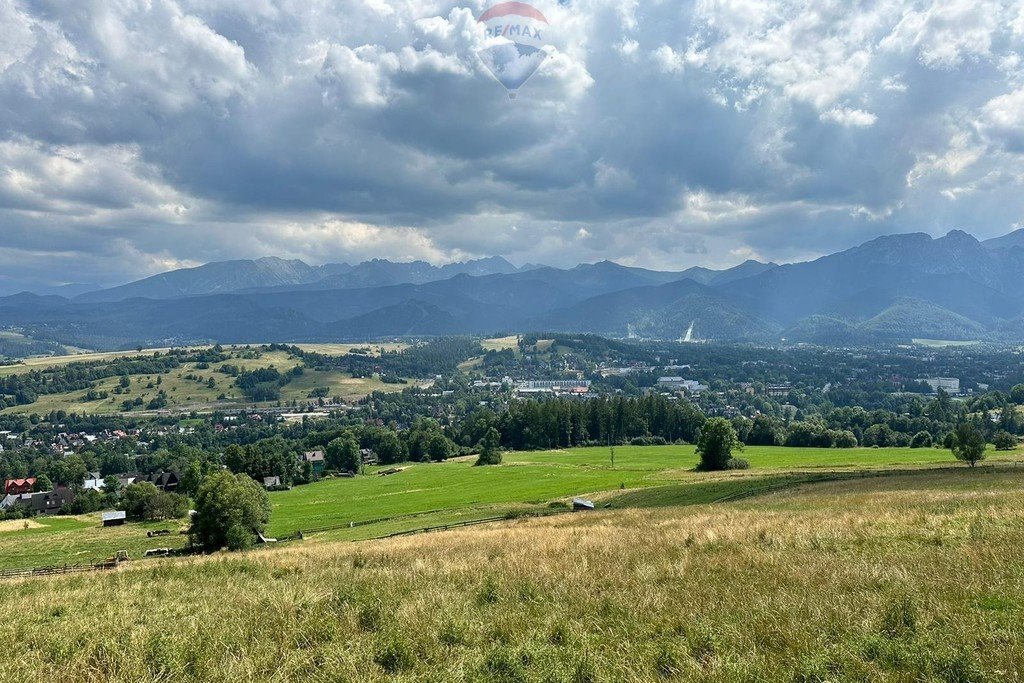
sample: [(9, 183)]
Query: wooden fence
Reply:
[(58, 569)]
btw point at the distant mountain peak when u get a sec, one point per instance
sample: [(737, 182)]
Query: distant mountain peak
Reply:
[(960, 236), (1007, 241), (212, 278), (495, 260), (707, 276)]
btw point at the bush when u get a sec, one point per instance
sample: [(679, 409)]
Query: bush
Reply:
[(921, 440), (738, 464), (881, 435), (843, 439), (87, 501), (143, 501), (135, 498), (648, 441), (1004, 441), (166, 506)]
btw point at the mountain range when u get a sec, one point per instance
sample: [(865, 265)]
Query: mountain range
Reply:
[(892, 288), (271, 272)]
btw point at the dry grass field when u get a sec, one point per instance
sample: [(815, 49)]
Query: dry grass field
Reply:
[(342, 349), (911, 578), (340, 384), (500, 343), (186, 388), (42, 362), (18, 525)]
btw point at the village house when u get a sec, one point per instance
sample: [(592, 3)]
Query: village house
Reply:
[(124, 480), (17, 487), (93, 481), (316, 461), (50, 502), (676, 383), (165, 481), (368, 456), (41, 503)]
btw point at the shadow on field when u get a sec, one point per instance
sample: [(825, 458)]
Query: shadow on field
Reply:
[(745, 486), (716, 491)]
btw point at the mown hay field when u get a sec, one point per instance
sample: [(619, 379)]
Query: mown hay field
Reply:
[(53, 541), (342, 349), (918, 577)]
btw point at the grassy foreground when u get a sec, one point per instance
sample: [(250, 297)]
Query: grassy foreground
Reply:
[(911, 578)]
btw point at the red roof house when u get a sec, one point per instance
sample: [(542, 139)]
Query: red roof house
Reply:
[(19, 486)]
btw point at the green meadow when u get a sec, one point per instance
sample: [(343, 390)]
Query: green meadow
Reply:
[(58, 541), (539, 478), (426, 495)]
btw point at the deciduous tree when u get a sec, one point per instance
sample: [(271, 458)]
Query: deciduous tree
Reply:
[(716, 443), (231, 509), (343, 454), (490, 454), (969, 444)]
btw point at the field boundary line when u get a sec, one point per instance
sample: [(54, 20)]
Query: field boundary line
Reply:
[(800, 478), (470, 522)]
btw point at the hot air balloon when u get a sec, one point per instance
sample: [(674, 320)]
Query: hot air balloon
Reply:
[(516, 34)]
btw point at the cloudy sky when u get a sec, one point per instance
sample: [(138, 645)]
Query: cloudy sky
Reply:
[(142, 135)]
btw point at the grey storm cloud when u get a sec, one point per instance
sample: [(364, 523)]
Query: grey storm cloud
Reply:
[(142, 135)]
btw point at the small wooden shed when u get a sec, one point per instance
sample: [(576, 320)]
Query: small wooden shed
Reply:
[(115, 518)]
